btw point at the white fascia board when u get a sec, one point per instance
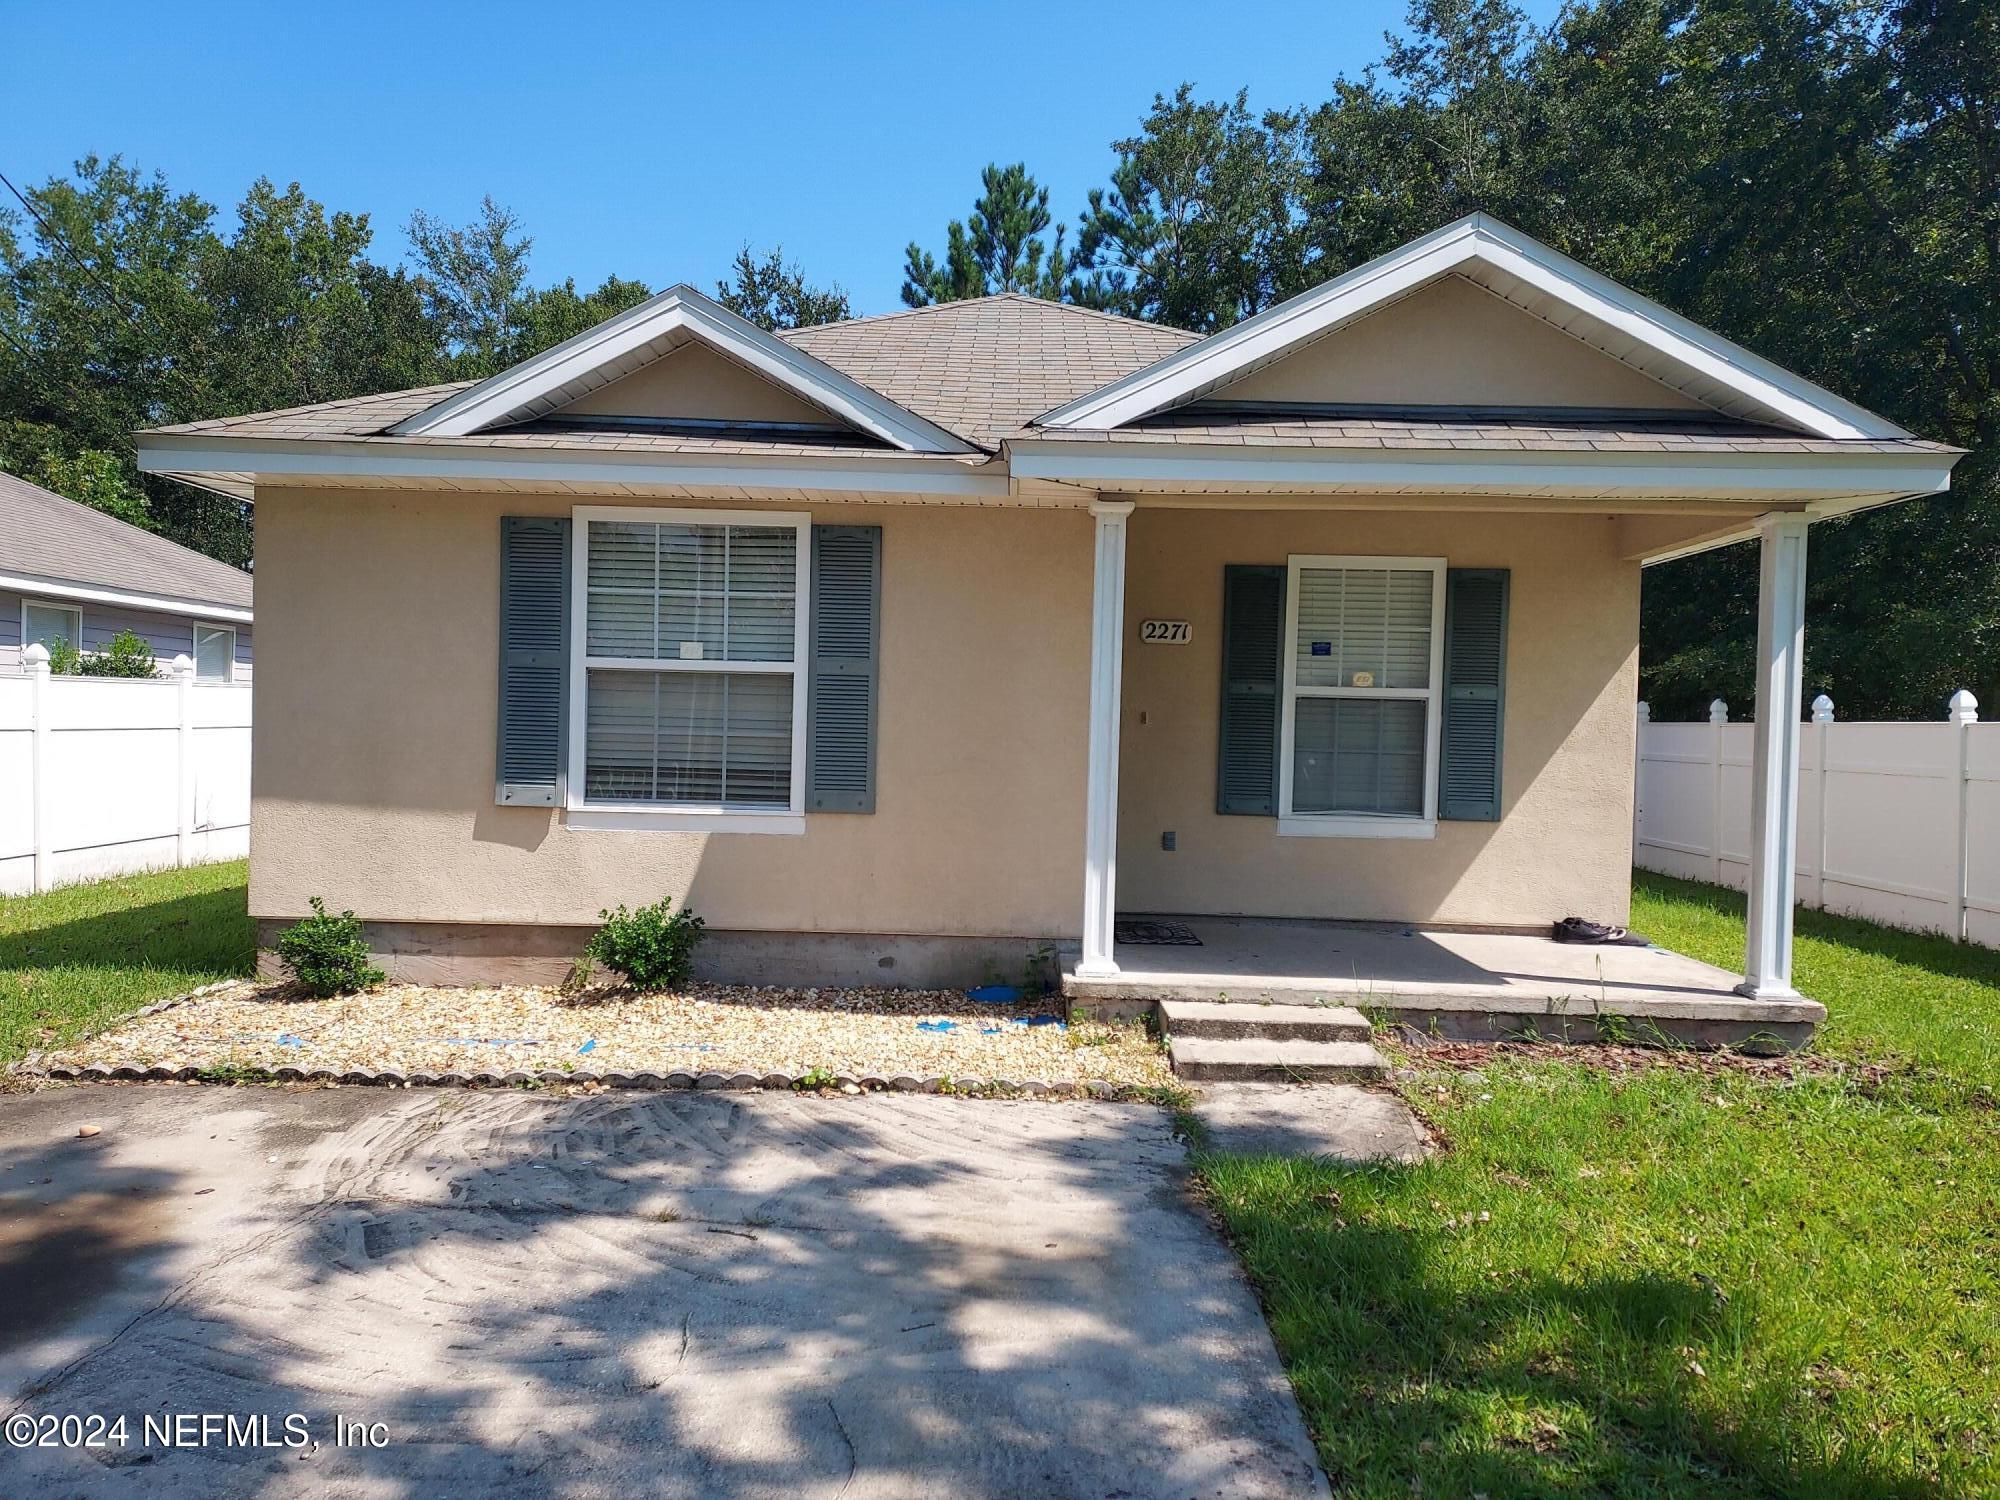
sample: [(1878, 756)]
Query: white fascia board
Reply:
[(87, 593), (1473, 241), (498, 397), (1113, 466), (161, 453)]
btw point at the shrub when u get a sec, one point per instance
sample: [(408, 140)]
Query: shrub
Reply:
[(126, 656), (63, 658), (652, 947), (327, 954)]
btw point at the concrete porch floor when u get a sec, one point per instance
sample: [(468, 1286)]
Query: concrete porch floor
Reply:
[(1465, 985)]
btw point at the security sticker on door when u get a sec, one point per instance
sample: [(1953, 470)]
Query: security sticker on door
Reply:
[(1166, 632)]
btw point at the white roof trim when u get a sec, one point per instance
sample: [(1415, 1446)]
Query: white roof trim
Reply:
[(1830, 483), (540, 384), (182, 455), (1725, 375), (90, 593)]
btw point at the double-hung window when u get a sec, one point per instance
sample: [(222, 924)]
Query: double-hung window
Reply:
[(1361, 709), (688, 672)]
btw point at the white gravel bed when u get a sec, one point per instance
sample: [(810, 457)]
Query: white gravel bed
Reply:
[(707, 1033)]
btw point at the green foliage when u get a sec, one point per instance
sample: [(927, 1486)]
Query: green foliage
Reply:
[(76, 960), (126, 656), (473, 282), (546, 317), (132, 308), (64, 658), (1199, 227), (652, 947), (89, 476), (998, 249), (327, 955), (774, 293)]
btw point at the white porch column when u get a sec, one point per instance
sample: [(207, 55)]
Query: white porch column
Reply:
[(1774, 767), (1107, 659)]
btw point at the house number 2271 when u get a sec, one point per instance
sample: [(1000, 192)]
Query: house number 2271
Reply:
[(1165, 632)]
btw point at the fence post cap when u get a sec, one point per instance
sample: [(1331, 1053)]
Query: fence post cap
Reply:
[(35, 657), (184, 666), (1718, 712), (1645, 712), (1963, 708), (1822, 709)]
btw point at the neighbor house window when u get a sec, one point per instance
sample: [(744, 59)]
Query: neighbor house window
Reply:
[(1361, 706), (689, 634), (45, 624), (214, 653)]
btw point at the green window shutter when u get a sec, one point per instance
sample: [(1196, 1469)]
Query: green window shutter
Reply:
[(1253, 626), (1475, 693), (841, 684), (534, 659)]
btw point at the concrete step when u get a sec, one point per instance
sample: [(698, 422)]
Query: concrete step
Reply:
[(1293, 1023), (1265, 1060)]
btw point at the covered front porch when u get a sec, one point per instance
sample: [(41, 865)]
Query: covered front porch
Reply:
[(1480, 986), (1439, 915)]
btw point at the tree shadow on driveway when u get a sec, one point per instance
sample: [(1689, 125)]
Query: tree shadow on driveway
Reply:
[(712, 1294)]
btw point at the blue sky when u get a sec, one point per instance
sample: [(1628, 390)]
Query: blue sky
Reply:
[(647, 140)]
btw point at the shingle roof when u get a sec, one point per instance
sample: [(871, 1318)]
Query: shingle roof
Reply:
[(982, 368), (355, 416), (987, 366), (1628, 432), (46, 536)]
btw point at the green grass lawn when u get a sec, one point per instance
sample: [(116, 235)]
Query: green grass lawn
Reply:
[(74, 961), (1674, 1282)]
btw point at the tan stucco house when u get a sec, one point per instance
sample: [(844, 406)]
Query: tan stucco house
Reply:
[(905, 647)]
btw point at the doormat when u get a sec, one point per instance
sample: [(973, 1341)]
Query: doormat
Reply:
[(1155, 934)]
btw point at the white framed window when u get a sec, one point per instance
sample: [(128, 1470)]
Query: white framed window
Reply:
[(1361, 714), (214, 653), (44, 623), (688, 644)]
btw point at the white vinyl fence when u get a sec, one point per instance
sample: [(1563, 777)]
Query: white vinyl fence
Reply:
[(105, 776), (1899, 823)]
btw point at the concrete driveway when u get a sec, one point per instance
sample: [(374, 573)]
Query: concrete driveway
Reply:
[(659, 1294)]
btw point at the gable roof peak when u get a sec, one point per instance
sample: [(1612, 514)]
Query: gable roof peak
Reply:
[(664, 322), (1515, 266)]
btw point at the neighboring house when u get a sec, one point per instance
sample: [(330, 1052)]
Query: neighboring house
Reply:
[(70, 572), (902, 646)]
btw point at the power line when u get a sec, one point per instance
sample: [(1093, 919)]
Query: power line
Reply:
[(49, 234), (19, 347), (135, 315)]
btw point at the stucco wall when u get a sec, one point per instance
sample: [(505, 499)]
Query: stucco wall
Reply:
[(1453, 343), (695, 381), (1564, 842), (373, 774)]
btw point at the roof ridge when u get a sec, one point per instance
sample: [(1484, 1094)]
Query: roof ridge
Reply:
[(1111, 317), (906, 312), (1009, 296)]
